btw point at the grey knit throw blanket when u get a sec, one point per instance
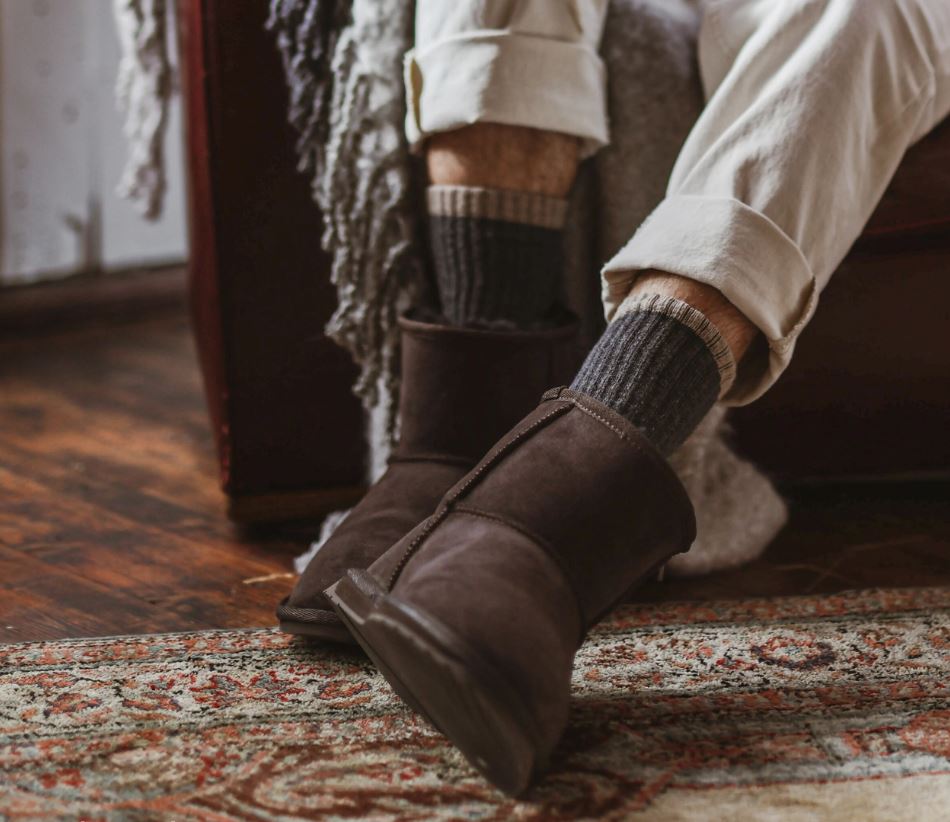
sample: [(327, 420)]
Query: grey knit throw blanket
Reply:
[(343, 62), (143, 89)]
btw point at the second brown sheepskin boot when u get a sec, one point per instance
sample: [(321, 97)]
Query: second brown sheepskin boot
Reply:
[(462, 388), (475, 616)]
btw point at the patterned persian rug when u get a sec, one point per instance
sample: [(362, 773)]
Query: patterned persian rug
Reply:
[(831, 707)]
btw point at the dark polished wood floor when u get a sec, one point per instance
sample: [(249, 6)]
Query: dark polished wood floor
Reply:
[(111, 521)]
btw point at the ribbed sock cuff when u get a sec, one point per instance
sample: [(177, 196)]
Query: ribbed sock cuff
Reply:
[(694, 320), (497, 254), (497, 204), (656, 366)]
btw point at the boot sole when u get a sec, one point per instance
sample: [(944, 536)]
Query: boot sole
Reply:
[(320, 624), (434, 671), (337, 634)]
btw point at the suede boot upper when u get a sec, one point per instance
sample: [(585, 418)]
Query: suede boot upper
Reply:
[(555, 525), (461, 389)]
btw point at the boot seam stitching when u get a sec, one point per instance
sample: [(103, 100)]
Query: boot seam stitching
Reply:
[(606, 423), (413, 546), (448, 502), (522, 529), (623, 435), (580, 400), (545, 545), (502, 450), (638, 441)]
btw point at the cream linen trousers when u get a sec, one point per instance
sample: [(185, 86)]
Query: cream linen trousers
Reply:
[(810, 106)]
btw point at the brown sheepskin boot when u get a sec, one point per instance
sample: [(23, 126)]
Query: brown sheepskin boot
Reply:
[(462, 388), (475, 616)]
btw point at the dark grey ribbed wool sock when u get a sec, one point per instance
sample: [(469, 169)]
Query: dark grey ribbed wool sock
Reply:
[(497, 254), (662, 365)]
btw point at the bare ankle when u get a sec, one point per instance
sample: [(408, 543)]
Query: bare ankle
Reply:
[(513, 158)]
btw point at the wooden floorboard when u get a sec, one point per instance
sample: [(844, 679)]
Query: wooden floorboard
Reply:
[(111, 521)]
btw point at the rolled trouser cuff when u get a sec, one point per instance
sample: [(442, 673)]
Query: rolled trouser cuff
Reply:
[(741, 253), (514, 79)]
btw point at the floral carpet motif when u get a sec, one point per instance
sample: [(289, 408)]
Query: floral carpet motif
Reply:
[(831, 707)]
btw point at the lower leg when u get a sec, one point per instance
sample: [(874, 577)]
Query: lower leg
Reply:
[(509, 158), (496, 212), (662, 364)]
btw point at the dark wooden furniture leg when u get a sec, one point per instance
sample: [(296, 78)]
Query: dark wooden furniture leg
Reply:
[(287, 427)]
